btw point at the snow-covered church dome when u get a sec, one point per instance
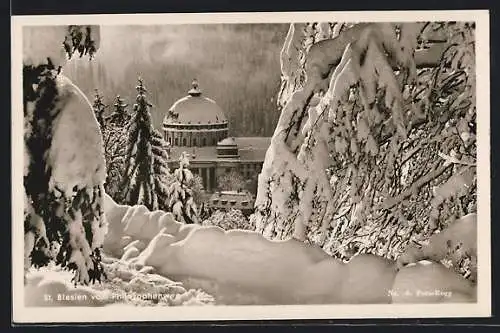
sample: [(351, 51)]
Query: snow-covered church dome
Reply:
[(195, 121), (195, 109)]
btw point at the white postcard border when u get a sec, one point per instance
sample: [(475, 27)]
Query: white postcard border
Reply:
[(482, 308)]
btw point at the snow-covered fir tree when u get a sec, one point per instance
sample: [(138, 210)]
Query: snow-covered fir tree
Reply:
[(115, 133), (375, 146), (119, 116), (138, 183), (99, 109), (181, 199), (162, 176), (64, 167)]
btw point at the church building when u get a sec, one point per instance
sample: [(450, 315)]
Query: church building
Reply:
[(197, 125)]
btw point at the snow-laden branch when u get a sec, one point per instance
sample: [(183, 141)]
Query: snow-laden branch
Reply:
[(358, 58)]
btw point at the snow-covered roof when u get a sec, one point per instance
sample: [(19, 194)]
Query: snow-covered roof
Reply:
[(232, 199), (227, 142)]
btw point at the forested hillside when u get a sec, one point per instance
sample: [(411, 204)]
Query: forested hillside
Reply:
[(236, 65)]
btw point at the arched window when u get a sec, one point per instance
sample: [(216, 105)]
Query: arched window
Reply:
[(184, 142)]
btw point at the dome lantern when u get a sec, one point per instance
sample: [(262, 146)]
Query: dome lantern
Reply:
[(195, 90)]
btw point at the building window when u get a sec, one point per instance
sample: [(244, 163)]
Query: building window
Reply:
[(244, 203), (204, 142), (215, 201), (170, 140), (194, 142), (176, 141), (228, 170), (223, 202), (184, 142), (214, 142), (233, 202)]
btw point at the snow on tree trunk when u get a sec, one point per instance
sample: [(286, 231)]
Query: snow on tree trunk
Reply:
[(359, 143)]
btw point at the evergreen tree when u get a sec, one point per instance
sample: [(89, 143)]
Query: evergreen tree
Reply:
[(115, 135), (162, 176), (63, 171), (181, 200), (99, 108), (138, 184), (120, 116)]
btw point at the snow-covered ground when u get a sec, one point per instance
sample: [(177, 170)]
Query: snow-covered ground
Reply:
[(151, 259)]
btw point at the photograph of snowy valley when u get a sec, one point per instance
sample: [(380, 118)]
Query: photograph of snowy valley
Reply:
[(222, 164)]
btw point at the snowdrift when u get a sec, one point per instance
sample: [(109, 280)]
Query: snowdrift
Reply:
[(243, 267)]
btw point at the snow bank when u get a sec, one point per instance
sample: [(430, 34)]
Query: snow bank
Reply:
[(277, 272), (240, 266), (243, 267)]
